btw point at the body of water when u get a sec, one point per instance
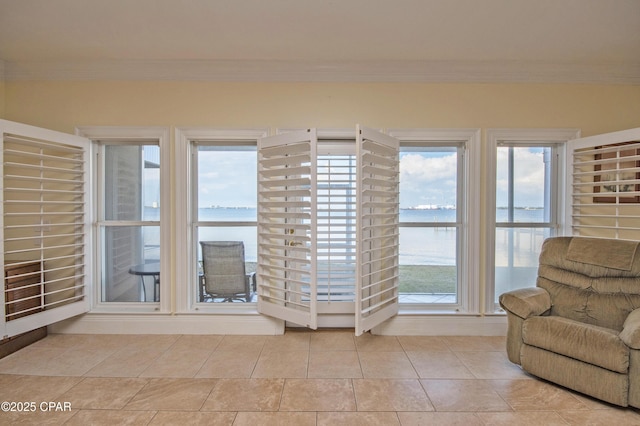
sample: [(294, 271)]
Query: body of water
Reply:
[(434, 245)]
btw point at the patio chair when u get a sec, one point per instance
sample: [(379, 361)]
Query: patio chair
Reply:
[(224, 275)]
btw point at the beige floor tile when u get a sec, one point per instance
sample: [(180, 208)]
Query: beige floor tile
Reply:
[(464, 395), (177, 363), (532, 395), (358, 419), (440, 419), (334, 365), (39, 418), (8, 379), (38, 388), (172, 394), (370, 342), (126, 362), (110, 418), (160, 342), (422, 343), (197, 342), (245, 395), (613, 416), (103, 342), (192, 418), (295, 341), (275, 419), (475, 343), (229, 364), (291, 364), (242, 343), (490, 365), (438, 365), (386, 365), (321, 377), (590, 402), (74, 362), (391, 395), (29, 360), (332, 341), (318, 395), (103, 393), (528, 418)]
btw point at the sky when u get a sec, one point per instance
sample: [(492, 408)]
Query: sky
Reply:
[(529, 171), (228, 178)]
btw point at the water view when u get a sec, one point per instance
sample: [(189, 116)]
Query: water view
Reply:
[(427, 254)]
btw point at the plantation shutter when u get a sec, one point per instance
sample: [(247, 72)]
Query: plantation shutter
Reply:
[(287, 217), (45, 226), (377, 233), (604, 185)]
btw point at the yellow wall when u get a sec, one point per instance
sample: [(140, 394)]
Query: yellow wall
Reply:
[(2, 91), (64, 105)]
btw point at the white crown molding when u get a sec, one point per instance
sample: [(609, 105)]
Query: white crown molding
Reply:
[(316, 71)]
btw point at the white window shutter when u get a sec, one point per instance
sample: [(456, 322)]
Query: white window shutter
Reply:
[(377, 276), (604, 185), (45, 226), (287, 223)]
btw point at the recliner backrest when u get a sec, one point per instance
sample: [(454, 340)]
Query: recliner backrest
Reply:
[(595, 281)]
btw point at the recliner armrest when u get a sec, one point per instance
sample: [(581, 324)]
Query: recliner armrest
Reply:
[(526, 302), (630, 333)]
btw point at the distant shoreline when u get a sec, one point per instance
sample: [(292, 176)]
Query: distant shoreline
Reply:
[(401, 208)]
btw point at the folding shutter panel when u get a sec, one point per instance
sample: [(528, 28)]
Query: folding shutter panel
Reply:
[(46, 220), (604, 185), (287, 222), (377, 237)]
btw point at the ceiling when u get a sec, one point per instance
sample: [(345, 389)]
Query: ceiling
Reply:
[(323, 40)]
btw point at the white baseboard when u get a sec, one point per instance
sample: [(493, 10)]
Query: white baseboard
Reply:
[(401, 325), (169, 324)]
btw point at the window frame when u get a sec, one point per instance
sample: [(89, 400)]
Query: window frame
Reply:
[(495, 138), (185, 161), (458, 223), (468, 250), (114, 135)]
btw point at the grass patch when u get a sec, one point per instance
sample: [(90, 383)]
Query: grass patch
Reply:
[(427, 279), (417, 278)]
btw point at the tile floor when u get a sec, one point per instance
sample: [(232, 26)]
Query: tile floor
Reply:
[(300, 378)]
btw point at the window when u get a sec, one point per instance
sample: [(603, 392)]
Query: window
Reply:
[(129, 222), (225, 173), (525, 204), (336, 232), (525, 213), (132, 236), (430, 223), (439, 229), (219, 169)]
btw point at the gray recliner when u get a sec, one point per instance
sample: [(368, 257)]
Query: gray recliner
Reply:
[(580, 326)]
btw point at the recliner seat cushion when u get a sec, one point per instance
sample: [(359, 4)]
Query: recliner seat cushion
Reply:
[(588, 343)]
